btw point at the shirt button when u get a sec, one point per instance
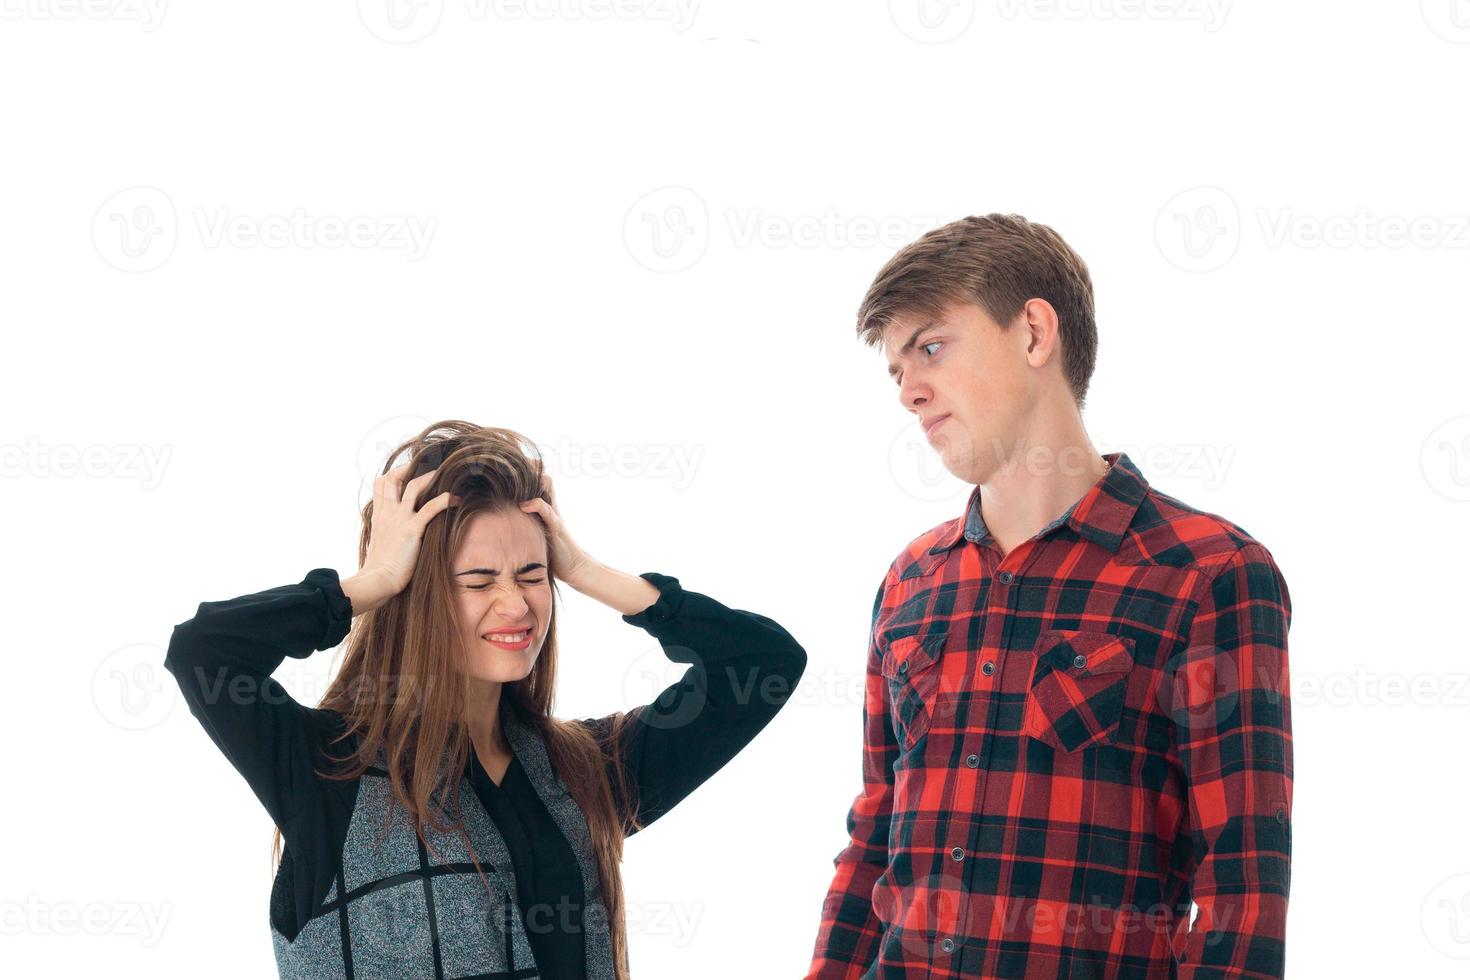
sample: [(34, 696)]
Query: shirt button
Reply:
[(1079, 661), (903, 668), (947, 945), (972, 760), (1281, 817), (988, 667), (1006, 578), (958, 853)]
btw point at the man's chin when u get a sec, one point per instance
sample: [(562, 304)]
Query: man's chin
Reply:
[(956, 453)]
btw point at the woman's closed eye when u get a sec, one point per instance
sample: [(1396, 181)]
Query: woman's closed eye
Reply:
[(524, 581)]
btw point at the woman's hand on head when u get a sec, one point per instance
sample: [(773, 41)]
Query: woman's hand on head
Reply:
[(568, 560), (628, 594), (396, 534)]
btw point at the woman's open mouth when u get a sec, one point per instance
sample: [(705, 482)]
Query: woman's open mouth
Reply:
[(518, 640)]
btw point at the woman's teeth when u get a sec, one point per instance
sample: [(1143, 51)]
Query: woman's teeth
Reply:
[(506, 637)]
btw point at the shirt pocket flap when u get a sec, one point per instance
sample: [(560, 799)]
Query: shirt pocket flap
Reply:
[(1085, 652), (905, 656)]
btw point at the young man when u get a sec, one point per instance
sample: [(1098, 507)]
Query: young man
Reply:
[(1076, 720)]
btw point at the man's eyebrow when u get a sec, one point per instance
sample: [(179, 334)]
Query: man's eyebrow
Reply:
[(893, 368), (492, 572)]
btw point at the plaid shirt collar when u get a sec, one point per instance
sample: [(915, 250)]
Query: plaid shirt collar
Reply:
[(1103, 514)]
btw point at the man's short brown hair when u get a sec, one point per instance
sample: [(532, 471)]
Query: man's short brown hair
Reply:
[(997, 261)]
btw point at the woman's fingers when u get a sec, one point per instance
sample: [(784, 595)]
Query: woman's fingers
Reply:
[(435, 507), (538, 506), (566, 557), (398, 525), (416, 486), (389, 488), (394, 477)]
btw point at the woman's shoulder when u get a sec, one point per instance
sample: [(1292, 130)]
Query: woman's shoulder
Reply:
[(618, 737), (332, 743), (325, 723)]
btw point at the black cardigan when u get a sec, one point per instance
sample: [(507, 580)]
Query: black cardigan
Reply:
[(743, 668)]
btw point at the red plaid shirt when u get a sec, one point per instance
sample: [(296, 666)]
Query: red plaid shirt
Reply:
[(1067, 745)]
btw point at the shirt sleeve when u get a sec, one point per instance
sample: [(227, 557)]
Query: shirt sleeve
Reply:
[(743, 668), (222, 660), (1233, 729), (847, 941)]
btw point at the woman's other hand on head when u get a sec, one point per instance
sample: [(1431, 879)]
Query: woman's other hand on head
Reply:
[(395, 536), (567, 559)]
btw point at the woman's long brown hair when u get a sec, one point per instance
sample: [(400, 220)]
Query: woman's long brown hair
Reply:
[(401, 687)]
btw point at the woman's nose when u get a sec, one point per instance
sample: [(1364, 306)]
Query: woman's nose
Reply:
[(511, 602)]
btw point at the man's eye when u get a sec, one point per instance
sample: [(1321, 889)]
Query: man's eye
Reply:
[(925, 347)]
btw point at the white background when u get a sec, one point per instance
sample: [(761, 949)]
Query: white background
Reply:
[(642, 232)]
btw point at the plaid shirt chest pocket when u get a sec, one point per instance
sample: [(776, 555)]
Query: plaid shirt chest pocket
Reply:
[(1077, 688), (911, 671)]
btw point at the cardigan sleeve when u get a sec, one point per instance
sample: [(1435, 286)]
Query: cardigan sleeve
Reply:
[(222, 660), (742, 670)]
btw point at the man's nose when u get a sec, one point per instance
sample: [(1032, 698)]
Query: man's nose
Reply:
[(912, 394)]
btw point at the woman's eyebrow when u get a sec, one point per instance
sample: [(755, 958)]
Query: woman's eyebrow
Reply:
[(492, 572)]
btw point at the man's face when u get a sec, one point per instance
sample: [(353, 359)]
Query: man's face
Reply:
[(968, 381)]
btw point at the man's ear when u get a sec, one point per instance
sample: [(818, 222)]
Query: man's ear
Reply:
[(1043, 331)]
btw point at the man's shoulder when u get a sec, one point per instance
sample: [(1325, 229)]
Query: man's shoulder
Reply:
[(1168, 531), (1164, 531), (918, 555)]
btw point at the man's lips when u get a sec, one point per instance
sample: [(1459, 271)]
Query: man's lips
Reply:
[(929, 424)]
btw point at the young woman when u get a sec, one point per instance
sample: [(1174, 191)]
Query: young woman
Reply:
[(438, 821)]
